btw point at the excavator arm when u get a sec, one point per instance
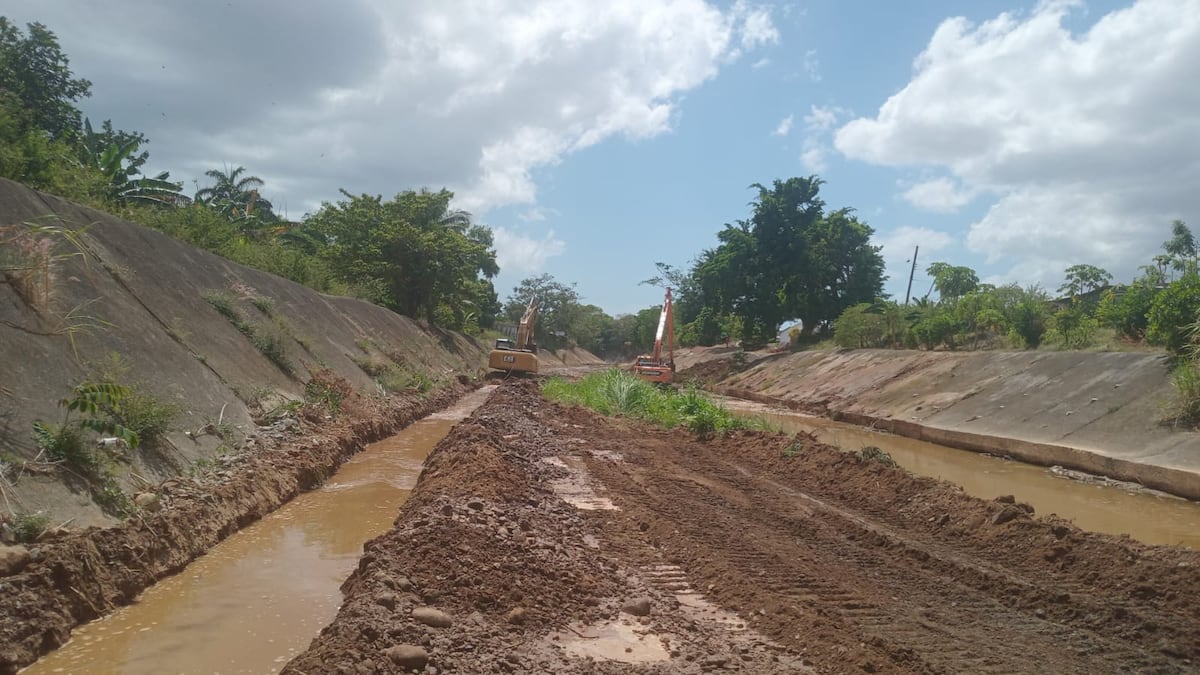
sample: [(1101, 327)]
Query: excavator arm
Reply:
[(519, 357), (652, 367)]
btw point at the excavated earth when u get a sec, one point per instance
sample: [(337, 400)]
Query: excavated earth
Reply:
[(81, 575), (543, 538)]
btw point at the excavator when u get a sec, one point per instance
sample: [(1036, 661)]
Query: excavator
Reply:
[(519, 356), (652, 367)]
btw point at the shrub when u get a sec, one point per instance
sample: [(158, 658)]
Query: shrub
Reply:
[(29, 526), (1175, 308)]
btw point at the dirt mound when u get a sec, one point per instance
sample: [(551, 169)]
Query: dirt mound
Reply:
[(545, 533), (86, 574), (517, 571)]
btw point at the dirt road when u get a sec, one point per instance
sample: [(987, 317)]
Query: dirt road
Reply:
[(548, 539)]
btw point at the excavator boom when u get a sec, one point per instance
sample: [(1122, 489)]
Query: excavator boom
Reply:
[(653, 367)]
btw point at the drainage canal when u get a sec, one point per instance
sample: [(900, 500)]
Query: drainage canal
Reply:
[(259, 597), (1097, 505)]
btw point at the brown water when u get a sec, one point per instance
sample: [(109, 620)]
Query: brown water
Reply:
[(259, 597), (1145, 515)]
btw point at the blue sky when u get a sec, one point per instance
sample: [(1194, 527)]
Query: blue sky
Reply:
[(1014, 137)]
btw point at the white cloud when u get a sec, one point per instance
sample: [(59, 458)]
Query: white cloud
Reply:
[(1089, 139), (823, 118), (942, 195), (519, 253), (538, 214), (785, 127), (761, 63), (812, 66), (377, 96), (814, 157)]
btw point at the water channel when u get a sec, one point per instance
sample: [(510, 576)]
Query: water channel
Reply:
[(258, 598), (1144, 515)]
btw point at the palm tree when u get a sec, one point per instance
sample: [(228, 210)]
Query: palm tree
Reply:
[(117, 162), (236, 197)]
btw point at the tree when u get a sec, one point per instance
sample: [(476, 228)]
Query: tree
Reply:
[(413, 254), (1180, 249), (35, 77), (789, 260), (114, 155), (236, 197), (558, 308), (952, 282), (1083, 279)]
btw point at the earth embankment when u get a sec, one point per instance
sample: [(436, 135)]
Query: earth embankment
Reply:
[(1096, 412)]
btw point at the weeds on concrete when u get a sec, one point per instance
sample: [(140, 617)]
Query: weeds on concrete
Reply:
[(397, 379), (271, 340)]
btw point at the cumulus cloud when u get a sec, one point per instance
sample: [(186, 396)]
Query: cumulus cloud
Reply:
[(521, 254), (784, 128), (942, 195), (379, 96), (818, 123), (1088, 139)]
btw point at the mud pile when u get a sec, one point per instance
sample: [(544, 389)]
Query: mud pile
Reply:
[(85, 574), (490, 570), (547, 539)]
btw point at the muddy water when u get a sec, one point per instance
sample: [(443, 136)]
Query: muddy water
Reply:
[(1144, 515), (260, 597)]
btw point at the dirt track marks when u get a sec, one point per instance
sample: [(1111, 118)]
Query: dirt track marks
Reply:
[(849, 588)]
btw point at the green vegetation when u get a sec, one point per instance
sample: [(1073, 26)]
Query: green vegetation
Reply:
[(29, 526), (871, 453), (617, 392), (268, 338)]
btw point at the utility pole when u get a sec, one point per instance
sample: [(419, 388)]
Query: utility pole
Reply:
[(911, 274)]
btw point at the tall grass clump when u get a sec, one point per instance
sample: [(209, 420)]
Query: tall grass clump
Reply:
[(620, 393)]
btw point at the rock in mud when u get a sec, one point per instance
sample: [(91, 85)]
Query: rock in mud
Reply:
[(1006, 499), (13, 559), (516, 615), (409, 657), (148, 501), (637, 607), (386, 599), (432, 617), (1008, 513)]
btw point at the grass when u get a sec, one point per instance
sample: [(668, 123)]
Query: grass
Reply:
[(271, 340), (29, 526), (619, 393)]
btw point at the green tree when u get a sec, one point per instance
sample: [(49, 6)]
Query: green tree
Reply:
[(1083, 279), (1173, 310), (114, 156), (35, 76), (789, 260), (235, 195), (413, 253), (952, 282), (558, 308)]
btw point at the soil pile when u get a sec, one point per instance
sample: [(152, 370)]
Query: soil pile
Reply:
[(539, 535)]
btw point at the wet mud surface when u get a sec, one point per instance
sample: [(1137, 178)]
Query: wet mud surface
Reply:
[(86, 574), (547, 539)]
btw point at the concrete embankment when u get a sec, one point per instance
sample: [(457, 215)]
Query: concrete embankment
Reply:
[(123, 291), (1095, 412)]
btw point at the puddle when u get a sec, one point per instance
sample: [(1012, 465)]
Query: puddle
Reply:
[(1146, 516), (614, 641), (258, 598)]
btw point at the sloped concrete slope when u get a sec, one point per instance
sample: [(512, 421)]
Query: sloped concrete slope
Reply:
[(140, 294), (1098, 412)]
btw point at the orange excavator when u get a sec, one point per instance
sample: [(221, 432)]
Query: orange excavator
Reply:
[(652, 367), (519, 356)]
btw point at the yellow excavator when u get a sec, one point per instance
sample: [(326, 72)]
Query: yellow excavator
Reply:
[(653, 367), (519, 356)]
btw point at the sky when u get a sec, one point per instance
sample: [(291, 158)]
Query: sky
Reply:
[(596, 139)]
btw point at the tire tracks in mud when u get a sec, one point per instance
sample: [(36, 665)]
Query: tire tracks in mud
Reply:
[(847, 587)]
